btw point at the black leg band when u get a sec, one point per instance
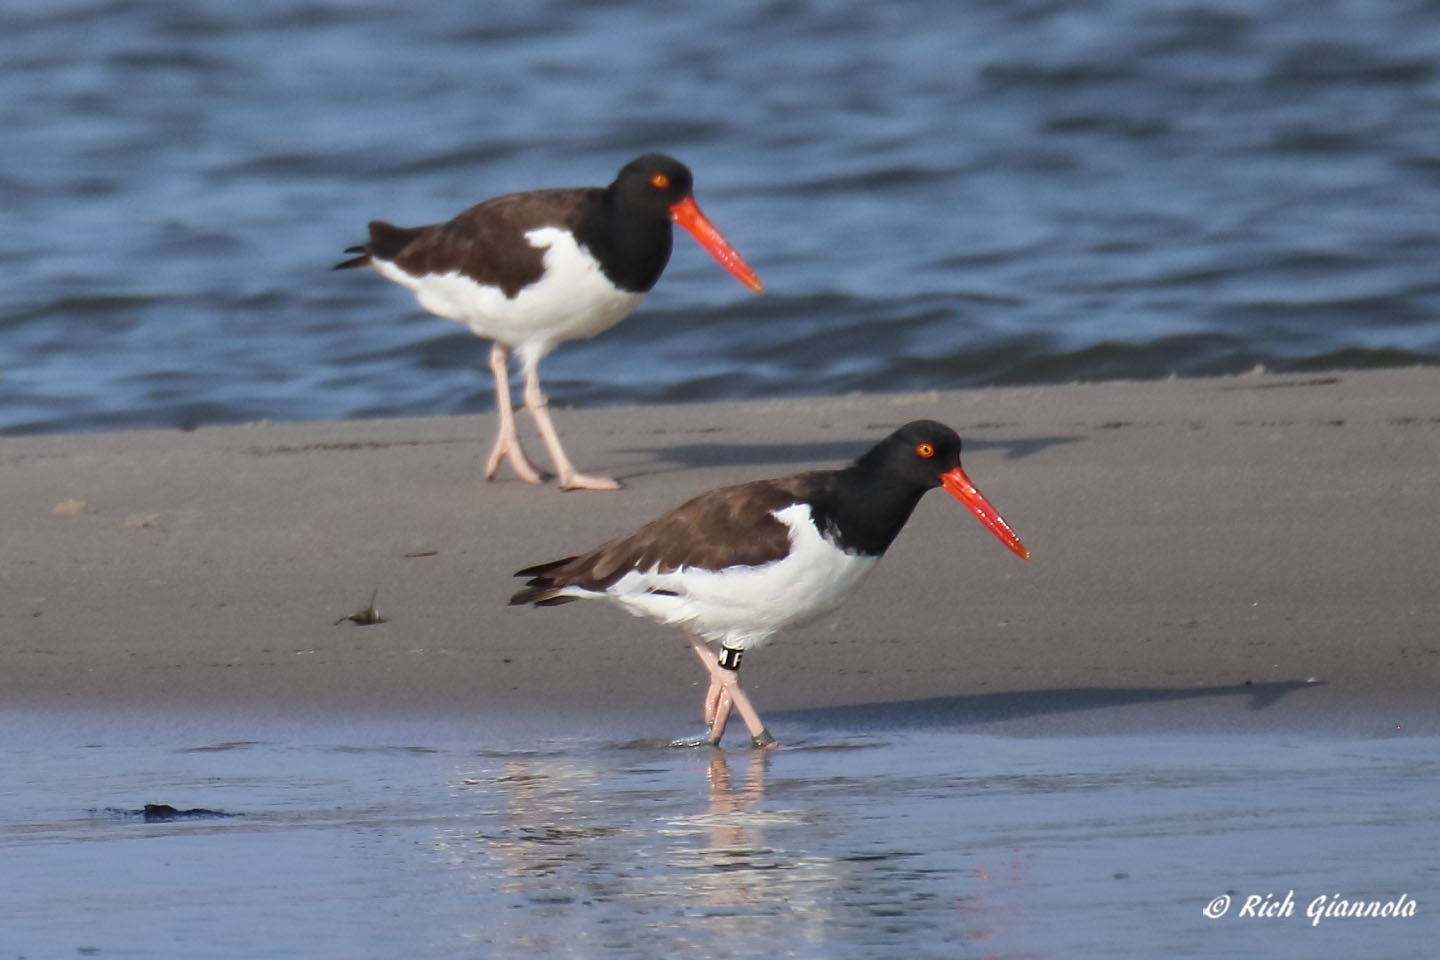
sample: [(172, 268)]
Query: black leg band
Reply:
[(730, 658)]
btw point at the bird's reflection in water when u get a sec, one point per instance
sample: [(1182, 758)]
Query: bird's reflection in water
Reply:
[(574, 842), (722, 853), (605, 850), (731, 832), (733, 865)]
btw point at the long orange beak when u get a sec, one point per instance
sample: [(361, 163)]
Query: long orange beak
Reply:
[(959, 486), (687, 214)]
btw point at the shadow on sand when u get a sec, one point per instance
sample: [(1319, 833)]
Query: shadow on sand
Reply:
[(826, 454), (1030, 704)]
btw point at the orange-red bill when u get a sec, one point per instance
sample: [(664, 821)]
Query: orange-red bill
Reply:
[(687, 214), (959, 486)]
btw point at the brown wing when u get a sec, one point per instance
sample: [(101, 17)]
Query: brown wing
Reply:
[(731, 526), (487, 242)]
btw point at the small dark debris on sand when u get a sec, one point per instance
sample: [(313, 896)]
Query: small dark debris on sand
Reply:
[(367, 616)]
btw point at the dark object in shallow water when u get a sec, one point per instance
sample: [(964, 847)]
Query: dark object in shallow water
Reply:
[(164, 813)]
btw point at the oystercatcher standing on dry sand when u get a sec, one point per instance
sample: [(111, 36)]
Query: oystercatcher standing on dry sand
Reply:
[(532, 270), (734, 565)]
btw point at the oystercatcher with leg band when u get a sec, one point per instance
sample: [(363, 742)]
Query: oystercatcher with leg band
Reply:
[(734, 565), (531, 270)]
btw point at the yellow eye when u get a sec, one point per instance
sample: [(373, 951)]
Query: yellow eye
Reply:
[(925, 450), (660, 181)]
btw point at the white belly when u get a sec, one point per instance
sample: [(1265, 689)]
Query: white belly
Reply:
[(743, 606), (572, 300)]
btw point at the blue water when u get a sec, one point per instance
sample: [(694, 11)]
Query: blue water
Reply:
[(937, 194), (452, 839)]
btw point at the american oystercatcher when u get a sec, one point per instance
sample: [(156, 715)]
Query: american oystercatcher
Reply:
[(736, 564), (532, 270)]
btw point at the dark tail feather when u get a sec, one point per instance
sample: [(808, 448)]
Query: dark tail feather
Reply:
[(541, 596), (386, 242), (542, 568), (541, 590), (363, 261)]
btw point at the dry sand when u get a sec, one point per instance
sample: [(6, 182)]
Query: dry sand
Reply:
[(1214, 543)]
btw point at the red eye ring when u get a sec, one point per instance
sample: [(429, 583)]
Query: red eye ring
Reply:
[(925, 450), (660, 181)]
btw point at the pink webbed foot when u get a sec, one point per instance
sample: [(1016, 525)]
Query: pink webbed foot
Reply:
[(585, 481)]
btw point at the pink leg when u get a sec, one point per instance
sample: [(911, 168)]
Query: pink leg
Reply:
[(713, 698), (725, 693), (507, 443), (717, 703), (568, 477)]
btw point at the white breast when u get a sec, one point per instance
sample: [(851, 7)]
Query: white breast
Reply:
[(572, 300), (743, 606)]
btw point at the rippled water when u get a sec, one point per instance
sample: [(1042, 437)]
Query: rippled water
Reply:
[(938, 194), (459, 839)]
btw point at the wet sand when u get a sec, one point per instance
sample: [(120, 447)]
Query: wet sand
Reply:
[(1213, 555), (397, 838)]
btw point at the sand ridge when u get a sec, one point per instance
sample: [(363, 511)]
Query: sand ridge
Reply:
[(1188, 536)]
